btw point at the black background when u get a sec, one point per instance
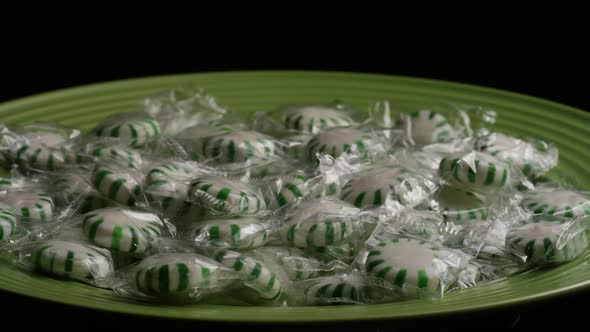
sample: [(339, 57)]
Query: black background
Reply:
[(537, 49)]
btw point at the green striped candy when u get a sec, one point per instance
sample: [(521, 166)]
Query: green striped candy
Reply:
[(325, 232), (193, 138), (406, 263), (37, 156), (121, 155), (313, 118), (30, 206), (238, 146), (546, 243), (121, 185), (73, 260), (74, 188), (296, 146), (560, 203), (427, 127), (332, 290), (371, 188), (168, 171), (8, 223), (44, 151), (5, 184), (122, 230), (257, 275), (132, 130), (335, 142), (198, 132), (170, 197), (236, 233), (459, 205), (318, 223), (519, 153), (179, 274), (221, 194), (343, 252), (295, 262), (475, 170), (167, 189), (287, 190)]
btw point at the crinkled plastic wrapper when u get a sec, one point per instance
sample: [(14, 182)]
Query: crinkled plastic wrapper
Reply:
[(185, 201)]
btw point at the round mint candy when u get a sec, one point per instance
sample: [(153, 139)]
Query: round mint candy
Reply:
[(459, 205), (371, 188), (319, 223), (30, 206), (122, 230), (238, 146), (73, 260), (136, 131), (235, 233), (475, 170), (8, 223), (406, 263), (337, 141), (119, 184), (556, 202), (313, 118), (546, 243), (220, 194), (258, 276), (179, 274), (427, 127)]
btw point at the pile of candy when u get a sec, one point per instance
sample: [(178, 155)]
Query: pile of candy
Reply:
[(305, 205)]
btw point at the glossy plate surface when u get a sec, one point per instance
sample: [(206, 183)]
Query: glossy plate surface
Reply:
[(524, 116)]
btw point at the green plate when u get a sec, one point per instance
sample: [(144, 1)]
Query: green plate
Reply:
[(82, 107)]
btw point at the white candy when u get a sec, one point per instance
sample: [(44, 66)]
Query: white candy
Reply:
[(73, 260), (118, 154), (530, 160), (476, 170), (180, 274), (296, 264), (331, 290), (29, 206), (409, 264), (560, 203), (197, 132), (8, 223), (426, 127), (223, 195), (337, 141), (118, 184), (122, 230), (259, 277), (285, 191), (319, 223), (136, 131), (311, 119), (237, 146), (546, 242), (236, 233), (74, 188), (459, 205), (40, 150), (371, 188)]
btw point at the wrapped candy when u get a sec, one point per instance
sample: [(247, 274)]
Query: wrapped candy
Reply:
[(187, 202), (179, 277), (133, 129), (39, 147)]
